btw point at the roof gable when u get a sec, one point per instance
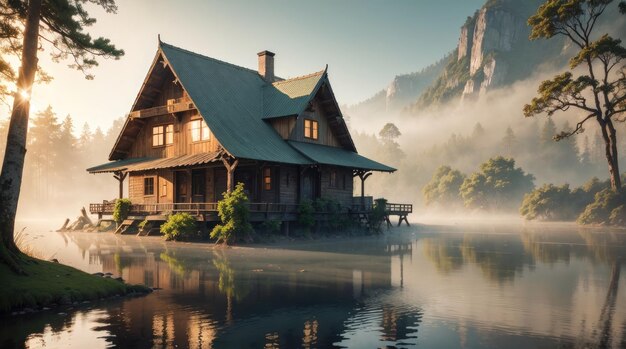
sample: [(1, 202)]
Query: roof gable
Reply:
[(290, 97)]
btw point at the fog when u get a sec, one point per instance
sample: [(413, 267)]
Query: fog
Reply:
[(449, 135)]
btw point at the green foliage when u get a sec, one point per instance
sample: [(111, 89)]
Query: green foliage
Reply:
[(607, 208), (234, 213), (548, 202), (499, 185), (179, 226), (306, 217), (121, 210), (271, 226), (389, 132), (576, 21), (444, 187), (377, 216), (551, 202)]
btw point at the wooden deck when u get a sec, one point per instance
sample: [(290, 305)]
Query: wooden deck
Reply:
[(259, 212)]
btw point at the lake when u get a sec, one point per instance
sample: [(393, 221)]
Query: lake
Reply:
[(438, 286)]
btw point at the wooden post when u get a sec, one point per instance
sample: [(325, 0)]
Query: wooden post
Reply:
[(120, 176), (230, 164), (363, 175)]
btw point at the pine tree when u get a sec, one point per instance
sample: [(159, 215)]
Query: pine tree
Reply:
[(509, 142)]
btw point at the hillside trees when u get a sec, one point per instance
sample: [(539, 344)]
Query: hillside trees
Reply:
[(596, 82), (25, 26), (443, 188)]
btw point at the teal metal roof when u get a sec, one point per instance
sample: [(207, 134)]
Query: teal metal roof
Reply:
[(119, 165), (323, 154), (230, 98), (290, 97)]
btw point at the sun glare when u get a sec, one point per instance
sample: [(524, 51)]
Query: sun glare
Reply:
[(25, 95)]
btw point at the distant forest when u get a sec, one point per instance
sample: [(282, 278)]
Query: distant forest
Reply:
[(55, 181)]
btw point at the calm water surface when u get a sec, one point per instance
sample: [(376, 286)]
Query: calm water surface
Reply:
[(539, 286)]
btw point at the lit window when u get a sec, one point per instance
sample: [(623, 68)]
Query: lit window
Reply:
[(206, 134), (310, 129), (157, 136), (267, 178), (196, 129), (333, 179), (169, 134), (199, 131), (148, 186)]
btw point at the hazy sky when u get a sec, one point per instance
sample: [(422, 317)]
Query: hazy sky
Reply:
[(365, 44)]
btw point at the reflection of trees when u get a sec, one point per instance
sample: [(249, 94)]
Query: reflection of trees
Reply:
[(444, 253), (498, 261), (177, 265), (545, 252)]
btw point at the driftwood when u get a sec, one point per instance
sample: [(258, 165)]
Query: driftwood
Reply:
[(82, 222)]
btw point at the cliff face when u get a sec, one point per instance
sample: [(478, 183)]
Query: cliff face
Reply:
[(402, 91)]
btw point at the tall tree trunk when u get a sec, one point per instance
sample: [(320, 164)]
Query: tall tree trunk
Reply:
[(13, 164), (610, 151), (615, 175)]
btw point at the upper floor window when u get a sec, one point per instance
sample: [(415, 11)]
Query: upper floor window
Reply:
[(199, 130), (148, 186), (162, 134), (310, 129), (267, 178), (157, 135)]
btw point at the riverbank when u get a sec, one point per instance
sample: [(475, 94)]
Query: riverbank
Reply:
[(50, 284)]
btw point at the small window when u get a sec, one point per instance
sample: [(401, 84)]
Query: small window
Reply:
[(267, 178), (310, 129), (169, 134), (148, 186), (199, 131), (157, 136), (333, 179)]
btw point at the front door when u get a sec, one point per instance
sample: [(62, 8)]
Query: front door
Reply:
[(198, 185), (182, 183)]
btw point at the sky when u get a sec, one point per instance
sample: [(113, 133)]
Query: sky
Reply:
[(364, 43)]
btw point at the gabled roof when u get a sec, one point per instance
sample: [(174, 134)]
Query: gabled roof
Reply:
[(326, 155), (235, 103), (291, 97), (145, 164)]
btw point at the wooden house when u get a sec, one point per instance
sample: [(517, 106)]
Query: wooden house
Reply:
[(199, 125)]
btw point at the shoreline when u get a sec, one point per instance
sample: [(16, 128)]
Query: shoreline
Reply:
[(51, 285)]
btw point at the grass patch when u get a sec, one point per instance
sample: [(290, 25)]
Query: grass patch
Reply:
[(49, 284)]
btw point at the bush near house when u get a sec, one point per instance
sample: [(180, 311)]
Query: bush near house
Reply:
[(179, 226), (121, 210), (234, 213)]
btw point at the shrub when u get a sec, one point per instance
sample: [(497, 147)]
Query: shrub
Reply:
[(179, 226), (549, 202), (271, 226), (305, 215), (234, 213), (604, 209), (121, 210), (377, 216)]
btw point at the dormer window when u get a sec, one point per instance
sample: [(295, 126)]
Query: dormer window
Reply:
[(199, 130), (310, 129)]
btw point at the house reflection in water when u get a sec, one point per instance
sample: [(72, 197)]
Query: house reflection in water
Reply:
[(249, 297)]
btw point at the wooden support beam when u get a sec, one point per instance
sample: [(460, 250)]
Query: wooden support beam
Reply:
[(120, 176), (231, 164)]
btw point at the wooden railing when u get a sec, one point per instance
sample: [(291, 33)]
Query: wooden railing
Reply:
[(173, 106), (107, 208)]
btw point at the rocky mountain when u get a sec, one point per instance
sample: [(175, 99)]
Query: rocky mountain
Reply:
[(402, 91), (493, 51)]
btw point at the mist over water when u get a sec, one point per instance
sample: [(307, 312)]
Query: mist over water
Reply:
[(474, 284)]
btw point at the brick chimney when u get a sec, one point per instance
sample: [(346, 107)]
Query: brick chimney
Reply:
[(266, 65)]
